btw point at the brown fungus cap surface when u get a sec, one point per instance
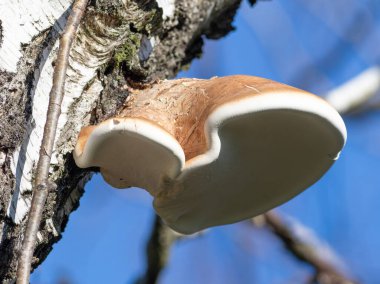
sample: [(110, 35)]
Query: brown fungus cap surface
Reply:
[(216, 151)]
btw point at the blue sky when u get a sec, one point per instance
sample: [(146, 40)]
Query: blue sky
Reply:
[(314, 45)]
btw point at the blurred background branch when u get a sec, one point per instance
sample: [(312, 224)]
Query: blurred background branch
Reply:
[(157, 251), (358, 93), (297, 239), (298, 243)]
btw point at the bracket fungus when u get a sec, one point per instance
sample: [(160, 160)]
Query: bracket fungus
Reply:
[(216, 151)]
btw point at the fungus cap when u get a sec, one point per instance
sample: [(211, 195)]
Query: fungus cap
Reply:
[(216, 151)]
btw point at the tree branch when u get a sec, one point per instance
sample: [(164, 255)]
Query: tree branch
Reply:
[(326, 272), (357, 92), (42, 185), (157, 251)]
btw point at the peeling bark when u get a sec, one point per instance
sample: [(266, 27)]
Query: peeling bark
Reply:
[(118, 43)]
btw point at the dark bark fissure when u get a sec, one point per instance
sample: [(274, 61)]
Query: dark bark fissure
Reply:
[(1, 33)]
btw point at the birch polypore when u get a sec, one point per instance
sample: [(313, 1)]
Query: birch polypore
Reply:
[(216, 151)]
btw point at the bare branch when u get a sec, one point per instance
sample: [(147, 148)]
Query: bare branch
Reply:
[(356, 92), (158, 248), (326, 270), (327, 266), (42, 185), (157, 251)]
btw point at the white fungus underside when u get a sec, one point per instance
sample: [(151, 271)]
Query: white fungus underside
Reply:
[(132, 152), (273, 147)]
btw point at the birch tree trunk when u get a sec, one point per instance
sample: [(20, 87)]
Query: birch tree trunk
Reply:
[(119, 43)]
